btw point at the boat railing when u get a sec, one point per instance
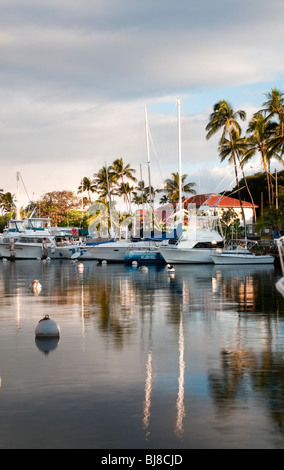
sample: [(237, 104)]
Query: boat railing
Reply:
[(240, 244)]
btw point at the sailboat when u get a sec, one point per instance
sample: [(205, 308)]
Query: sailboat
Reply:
[(144, 249), (203, 233)]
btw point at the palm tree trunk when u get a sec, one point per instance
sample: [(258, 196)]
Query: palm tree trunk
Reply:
[(268, 179), (237, 180), (248, 190)]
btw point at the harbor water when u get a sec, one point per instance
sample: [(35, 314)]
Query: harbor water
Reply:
[(145, 360)]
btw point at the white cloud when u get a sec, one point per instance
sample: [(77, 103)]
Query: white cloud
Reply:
[(75, 76)]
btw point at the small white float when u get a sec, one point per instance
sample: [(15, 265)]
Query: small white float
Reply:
[(47, 328), (170, 268), (36, 286), (134, 264), (143, 269)]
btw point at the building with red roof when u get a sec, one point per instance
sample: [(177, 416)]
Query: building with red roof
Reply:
[(212, 203)]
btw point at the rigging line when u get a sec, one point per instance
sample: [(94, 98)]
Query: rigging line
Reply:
[(24, 187), (30, 201), (155, 153)]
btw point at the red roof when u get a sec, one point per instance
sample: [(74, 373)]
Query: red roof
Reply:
[(216, 200)]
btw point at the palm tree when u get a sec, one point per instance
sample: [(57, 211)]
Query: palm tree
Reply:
[(171, 187), (87, 185), (164, 199), (120, 172), (7, 202), (125, 190), (240, 147), (104, 181), (150, 194), (275, 106), (225, 118), (261, 132), (139, 197)]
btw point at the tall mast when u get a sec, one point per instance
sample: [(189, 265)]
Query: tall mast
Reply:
[(148, 160), (141, 179), (179, 161), (109, 201), (18, 212)]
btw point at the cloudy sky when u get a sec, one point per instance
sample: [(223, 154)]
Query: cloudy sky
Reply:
[(77, 74)]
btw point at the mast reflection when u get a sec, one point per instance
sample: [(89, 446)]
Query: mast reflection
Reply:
[(148, 391), (180, 399)]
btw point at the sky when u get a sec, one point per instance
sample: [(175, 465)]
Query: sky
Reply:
[(77, 75)]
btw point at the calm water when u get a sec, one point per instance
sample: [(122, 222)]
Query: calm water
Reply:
[(193, 360)]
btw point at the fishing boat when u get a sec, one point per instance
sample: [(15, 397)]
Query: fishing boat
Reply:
[(241, 257), (30, 242), (240, 254), (201, 236)]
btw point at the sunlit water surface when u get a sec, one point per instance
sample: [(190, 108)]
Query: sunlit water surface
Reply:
[(193, 360)]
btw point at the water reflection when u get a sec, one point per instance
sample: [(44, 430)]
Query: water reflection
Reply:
[(243, 284), (190, 351), (180, 399), (148, 391), (46, 345)]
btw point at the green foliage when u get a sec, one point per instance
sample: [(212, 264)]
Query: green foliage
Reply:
[(3, 220), (230, 223), (171, 188), (57, 205), (272, 219), (7, 202), (75, 218), (258, 187)]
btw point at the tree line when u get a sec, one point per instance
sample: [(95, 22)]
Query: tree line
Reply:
[(264, 138)]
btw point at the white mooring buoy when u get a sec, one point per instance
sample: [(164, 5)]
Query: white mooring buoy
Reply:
[(47, 328), (143, 269), (170, 268), (36, 286), (80, 267)]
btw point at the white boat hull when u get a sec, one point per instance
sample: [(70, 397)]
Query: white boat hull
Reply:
[(175, 255), (115, 251), (68, 252), (109, 253), (24, 251), (280, 286), (220, 258)]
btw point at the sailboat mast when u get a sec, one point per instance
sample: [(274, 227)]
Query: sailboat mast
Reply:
[(108, 193), (141, 179), (179, 161), (148, 161), (18, 212)]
